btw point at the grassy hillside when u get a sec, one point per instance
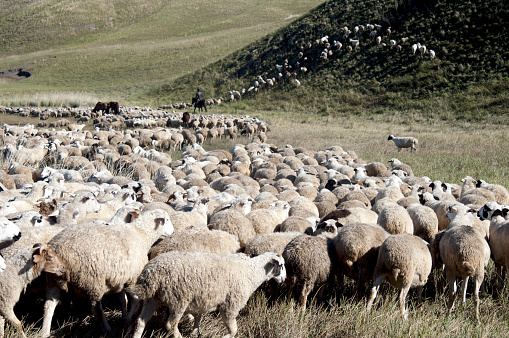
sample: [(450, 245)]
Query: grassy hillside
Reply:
[(467, 78), (118, 49)]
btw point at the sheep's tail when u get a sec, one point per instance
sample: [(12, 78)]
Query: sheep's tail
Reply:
[(395, 273), (469, 268)]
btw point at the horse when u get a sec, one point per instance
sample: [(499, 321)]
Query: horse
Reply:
[(200, 104)]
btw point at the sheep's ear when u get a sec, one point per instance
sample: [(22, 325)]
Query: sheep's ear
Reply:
[(85, 199), (432, 185), (75, 214), (505, 211), (444, 187), (478, 183), (38, 253), (273, 266), (472, 211), (133, 215)]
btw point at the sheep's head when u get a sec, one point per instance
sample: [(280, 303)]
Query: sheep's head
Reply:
[(8, 230), (276, 267), (45, 259)]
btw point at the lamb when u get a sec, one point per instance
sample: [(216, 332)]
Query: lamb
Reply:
[(395, 220), (310, 263), (357, 247), (398, 165), (197, 217), (405, 261), (197, 283), (465, 254), (404, 142), (96, 259), (197, 240), (441, 208), (21, 271)]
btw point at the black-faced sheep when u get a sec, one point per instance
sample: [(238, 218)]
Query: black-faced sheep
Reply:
[(404, 142)]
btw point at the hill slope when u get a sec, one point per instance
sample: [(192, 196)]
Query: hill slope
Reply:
[(118, 48), (468, 76)]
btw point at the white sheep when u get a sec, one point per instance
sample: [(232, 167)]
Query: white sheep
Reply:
[(395, 220), (465, 253), (404, 142), (8, 231), (405, 261), (198, 283), (95, 256), (431, 54), (21, 271)]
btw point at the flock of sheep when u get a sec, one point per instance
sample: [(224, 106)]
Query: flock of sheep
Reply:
[(203, 232)]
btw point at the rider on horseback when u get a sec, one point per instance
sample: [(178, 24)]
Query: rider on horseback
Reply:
[(199, 95)]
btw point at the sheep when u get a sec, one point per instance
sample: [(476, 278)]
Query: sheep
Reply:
[(499, 235), (197, 240), (270, 242), (460, 214), (21, 271), (297, 224), (197, 283), (406, 262), (425, 221), (8, 232), (398, 165), (197, 217), (351, 215), (465, 253), (357, 247), (266, 220), (234, 222), (501, 193), (395, 220), (404, 142), (431, 54), (310, 263), (96, 259)]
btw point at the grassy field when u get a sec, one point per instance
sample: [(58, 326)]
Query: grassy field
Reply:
[(447, 151)]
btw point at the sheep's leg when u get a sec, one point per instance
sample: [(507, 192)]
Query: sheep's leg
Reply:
[(174, 319), (374, 291), (122, 297), (464, 286), (306, 289), (11, 317), (231, 323), (149, 307), (2, 324), (52, 298), (97, 311), (402, 299), (452, 291), (477, 284), (196, 326)]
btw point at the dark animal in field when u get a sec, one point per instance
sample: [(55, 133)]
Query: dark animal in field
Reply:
[(101, 106), (200, 104), (186, 117), (114, 107)]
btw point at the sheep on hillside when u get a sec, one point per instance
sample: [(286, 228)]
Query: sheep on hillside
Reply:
[(197, 283), (404, 142)]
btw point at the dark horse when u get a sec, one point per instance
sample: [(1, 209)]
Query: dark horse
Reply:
[(200, 104)]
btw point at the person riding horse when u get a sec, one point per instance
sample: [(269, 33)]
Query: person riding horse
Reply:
[(199, 101)]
